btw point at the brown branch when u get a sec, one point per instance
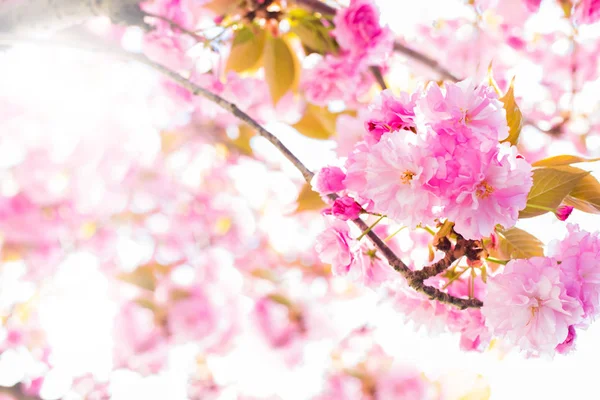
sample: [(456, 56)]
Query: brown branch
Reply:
[(413, 280), (425, 60), (376, 71)]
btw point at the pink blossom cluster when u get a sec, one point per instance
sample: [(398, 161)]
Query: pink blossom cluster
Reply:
[(363, 42), (349, 257), (437, 154), (537, 304)]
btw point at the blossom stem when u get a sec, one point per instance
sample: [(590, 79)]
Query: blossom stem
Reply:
[(497, 261), (455, 277), (387, 239), (370, 228), (427, 229)]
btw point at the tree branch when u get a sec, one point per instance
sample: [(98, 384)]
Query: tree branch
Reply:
[(414, 279), (35, 16)]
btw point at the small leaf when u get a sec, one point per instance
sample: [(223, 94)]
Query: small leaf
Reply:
[(550, 187), (142, 277), (491, 81), (282, 68), (311, 31), (586, 195), (246, 50), (514, 118), (516, 243), (309, 200), (316, 123), (557, 161), (242, 142)]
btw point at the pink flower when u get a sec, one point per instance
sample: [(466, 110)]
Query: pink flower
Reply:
[(335, 79), (579, 254), (358, 31), (563, 212), (588, 11), (333, 247), (389, 114), (345, 208), (140, 345), (169, 51), (192, 318), (397, 176), (532, 5), (529, 306), (329, 180), (468, 105), (488, 189), (273, 319), (355, 168), (402, 384), (349, 131), (569, 343)]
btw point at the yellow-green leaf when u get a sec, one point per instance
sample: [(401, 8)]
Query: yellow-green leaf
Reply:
[(309, 200), (586, 195), (550, 187), (514, 118), (316, 123), (246, 50), (242, 142), (282, 68), (565, 159), (491, 81), (142, 277), (516, 243), (311, 31)]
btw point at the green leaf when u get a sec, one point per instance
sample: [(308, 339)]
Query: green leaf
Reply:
[(316, 123), (311, 31), (309, 200), (565, 159), (550, 187), (516, 243), (246, 50), (586, 195), (514, 118), (282, 68)]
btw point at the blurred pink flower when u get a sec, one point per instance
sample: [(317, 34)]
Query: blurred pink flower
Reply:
[(358, 31)]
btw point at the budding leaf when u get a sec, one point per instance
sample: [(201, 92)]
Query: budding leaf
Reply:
[(565, 159), (550, 187), (309, 200), (282, 68), (316, 123), (514, 118), (246, 50), (586, 195), (516, 243)]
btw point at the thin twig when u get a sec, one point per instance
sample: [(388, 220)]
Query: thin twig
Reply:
[(376, 71)]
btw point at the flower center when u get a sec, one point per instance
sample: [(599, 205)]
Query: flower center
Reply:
[(484, 190), (407, 176)]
